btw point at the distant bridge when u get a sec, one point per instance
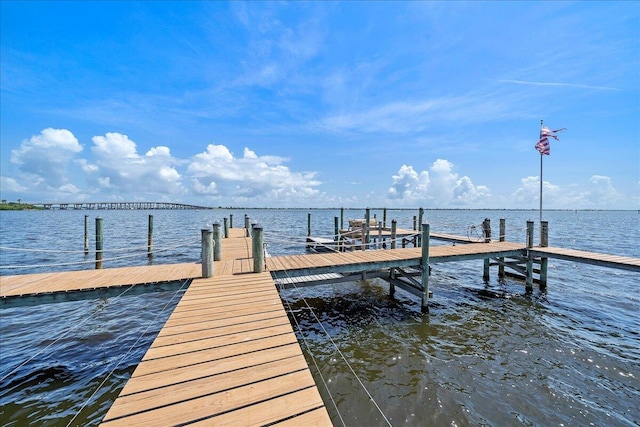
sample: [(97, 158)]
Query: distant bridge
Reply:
[(117, 205)]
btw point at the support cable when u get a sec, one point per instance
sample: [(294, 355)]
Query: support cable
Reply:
[(128, 352)]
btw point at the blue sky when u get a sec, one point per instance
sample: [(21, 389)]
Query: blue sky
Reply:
[(321, 104)]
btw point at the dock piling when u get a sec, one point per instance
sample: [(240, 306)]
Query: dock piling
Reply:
[(394, 232), (207, 252), (544, 261), (384, 218), (99, 243), (420, 215), (486, 231), (150, 238), (529, 279), (230, 220), (424, 263), (257, 248), (309, 224), (86, 234), (247, 225), (226, 228), (336, 231), (365, 235), (502, 236), (217, 242)]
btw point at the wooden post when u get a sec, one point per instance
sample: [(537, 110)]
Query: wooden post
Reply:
[(207, 252), (529, 281), (247, 225), (86, 234), (309, 224), (415, 223), (384, 218), (392, 286), (258, 250), (424, 263), (393, 233), (336, 230), (99, 243), (420, 215), (544, 261), (226, 228), (150, 238), (365, 229), (217, 242), (503, 230), (230, 220), (486, 230), (379, 245), (341, 218)]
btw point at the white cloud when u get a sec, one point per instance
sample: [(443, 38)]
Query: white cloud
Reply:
[(528, 195), (600, 193), (46, 156), (122, 168), (8, 185), (217, 171), (439, 186)]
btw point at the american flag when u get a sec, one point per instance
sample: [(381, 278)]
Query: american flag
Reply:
[(543, 143)]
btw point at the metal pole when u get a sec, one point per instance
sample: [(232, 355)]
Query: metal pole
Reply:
[(541, 125)]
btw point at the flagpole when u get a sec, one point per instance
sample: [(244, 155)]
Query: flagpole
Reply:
[(541, 125)]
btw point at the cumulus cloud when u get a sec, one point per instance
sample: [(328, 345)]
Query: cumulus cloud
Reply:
[(120, 167), (439, 186), (44, 158), (217, 171), (528, 194), (8, 184), (600, 192)]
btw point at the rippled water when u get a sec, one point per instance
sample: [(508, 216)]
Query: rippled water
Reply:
[(487, 354)]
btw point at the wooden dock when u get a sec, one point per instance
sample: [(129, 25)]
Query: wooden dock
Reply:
[(227, 355)]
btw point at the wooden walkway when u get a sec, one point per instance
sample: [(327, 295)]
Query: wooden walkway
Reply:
[(584, 257), (360, 261), (226, 356)]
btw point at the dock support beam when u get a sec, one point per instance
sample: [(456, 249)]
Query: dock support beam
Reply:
[(257, 249), (207, 252), (529, 280), (486, 230), (217, 242), (424, 263), (150, 238), (99, 243), (544, 261), (503, 230)]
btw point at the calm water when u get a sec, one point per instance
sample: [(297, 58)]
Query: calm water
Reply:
[(567, 357)]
